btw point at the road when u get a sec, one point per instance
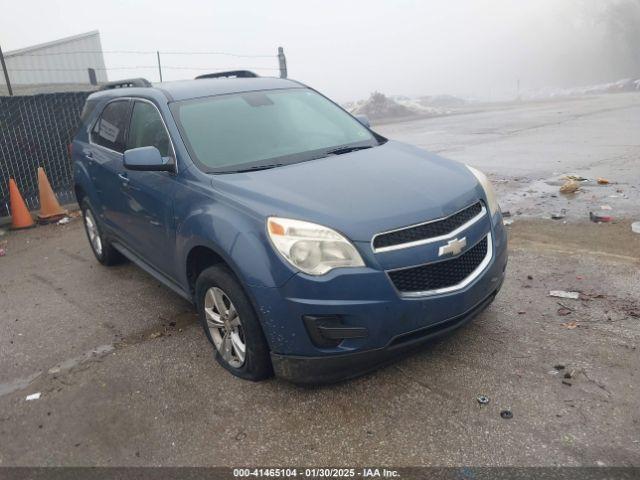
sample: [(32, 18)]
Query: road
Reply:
[(126, 376), (528, 148)]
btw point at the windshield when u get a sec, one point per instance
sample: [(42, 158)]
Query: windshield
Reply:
[(263, 129)]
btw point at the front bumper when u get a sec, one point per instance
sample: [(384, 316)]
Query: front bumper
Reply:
[(365, 298), (329, 369)]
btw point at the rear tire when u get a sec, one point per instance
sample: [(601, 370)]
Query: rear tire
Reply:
[(231, 324), (100, 246)]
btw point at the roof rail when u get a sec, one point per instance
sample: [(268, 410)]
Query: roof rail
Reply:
[(129, 82), (229, 74)]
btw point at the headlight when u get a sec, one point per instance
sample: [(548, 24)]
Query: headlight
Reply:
[(488, 189), (311, 248)]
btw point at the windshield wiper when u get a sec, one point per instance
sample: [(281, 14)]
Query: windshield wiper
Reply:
[(341, 150), (256, 168)]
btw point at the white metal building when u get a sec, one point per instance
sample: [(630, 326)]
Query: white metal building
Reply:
[(63, 61)]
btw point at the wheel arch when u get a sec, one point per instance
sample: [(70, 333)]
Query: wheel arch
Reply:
[(199, 258), (79, 192), (237, 240)]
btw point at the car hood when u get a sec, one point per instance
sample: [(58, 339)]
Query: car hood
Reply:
[(358, 194)]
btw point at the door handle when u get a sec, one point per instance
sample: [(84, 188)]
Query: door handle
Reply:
[(124, 178), (88, 154)]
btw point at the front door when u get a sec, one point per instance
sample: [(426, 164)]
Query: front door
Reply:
[(148, 196)]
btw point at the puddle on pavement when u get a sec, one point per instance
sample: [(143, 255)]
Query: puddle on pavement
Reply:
[(19, 384), (94, 354), (542, 198), (169, 327)]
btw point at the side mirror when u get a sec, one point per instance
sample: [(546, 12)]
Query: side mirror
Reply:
[(147, 159), (364, 120)]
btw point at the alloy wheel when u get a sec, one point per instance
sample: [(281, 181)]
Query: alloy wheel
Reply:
[(92, 231), (225, 327)]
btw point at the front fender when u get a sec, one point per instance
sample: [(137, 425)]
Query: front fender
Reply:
[(238, 238)]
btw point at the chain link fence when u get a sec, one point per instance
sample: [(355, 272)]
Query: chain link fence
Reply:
[(35, 131)]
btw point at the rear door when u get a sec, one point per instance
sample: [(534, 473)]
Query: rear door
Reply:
[(107, 139), (148, 196)]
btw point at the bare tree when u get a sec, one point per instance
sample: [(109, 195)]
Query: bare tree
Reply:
[(621, 19)]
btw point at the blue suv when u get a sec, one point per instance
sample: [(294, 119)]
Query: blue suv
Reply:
[(313, 247)]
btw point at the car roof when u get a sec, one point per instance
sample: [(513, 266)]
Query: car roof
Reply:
[(204, 87)]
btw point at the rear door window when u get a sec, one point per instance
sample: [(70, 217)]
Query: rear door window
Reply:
[(110, 129), (147, 129)]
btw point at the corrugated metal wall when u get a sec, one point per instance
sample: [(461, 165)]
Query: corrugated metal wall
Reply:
[(57, 62)]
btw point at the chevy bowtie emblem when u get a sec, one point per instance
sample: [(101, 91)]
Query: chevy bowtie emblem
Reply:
[(454, 247)]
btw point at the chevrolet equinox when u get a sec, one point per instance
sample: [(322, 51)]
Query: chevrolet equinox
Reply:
[(313, 247)]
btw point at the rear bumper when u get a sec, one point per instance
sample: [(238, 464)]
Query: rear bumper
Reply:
[(335, 368)]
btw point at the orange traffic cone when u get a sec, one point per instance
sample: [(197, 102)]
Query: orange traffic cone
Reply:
[(20, 216), (50, 209)]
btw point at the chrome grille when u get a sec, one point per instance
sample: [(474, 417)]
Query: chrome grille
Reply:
[(428, 231), (443, 275)]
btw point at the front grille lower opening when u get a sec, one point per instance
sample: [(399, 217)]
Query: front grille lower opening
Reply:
[(443, 274)]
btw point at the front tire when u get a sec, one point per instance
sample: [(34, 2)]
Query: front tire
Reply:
[(231, 324)]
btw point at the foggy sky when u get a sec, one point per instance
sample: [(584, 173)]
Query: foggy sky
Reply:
[(347, 49)]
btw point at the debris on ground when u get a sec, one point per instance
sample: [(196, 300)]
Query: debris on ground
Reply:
[(506, 414), (3, 252), (2, 232), (529, 277), (33, 396), (570, 186), (599, 218), (63, 221), (576, 178), (507, 221), (590, 295), (155, 335), (559, 367), (565, 306), (635, 227), (506, 214), (564, 294), (558, 216), (564, 309), (564, 382), (630, 308), (568, 439), (482, 399), (570, 325), (570, 374), (603, 181), (605, 207)]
